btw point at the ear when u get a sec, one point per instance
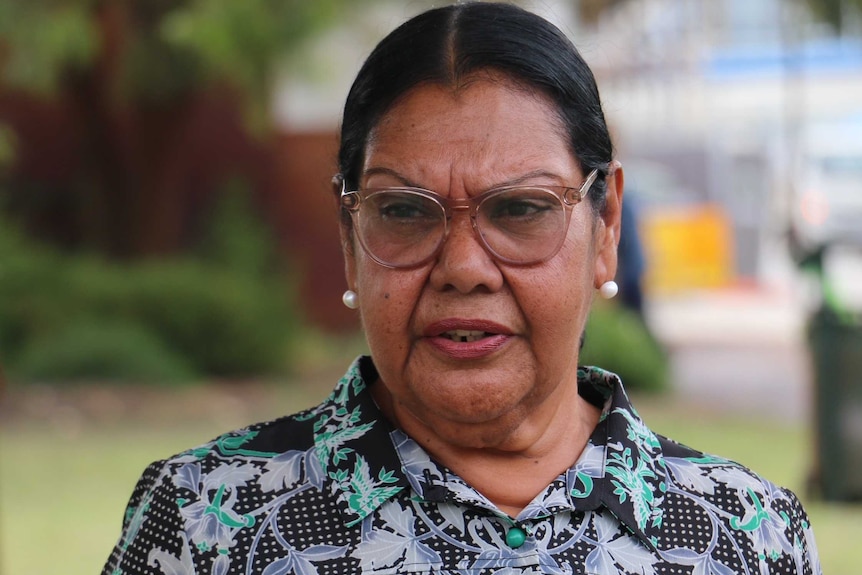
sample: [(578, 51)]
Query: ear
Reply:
[(608, 229), (349, 254), (346, 235)]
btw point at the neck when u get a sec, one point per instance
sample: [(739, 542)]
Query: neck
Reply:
[(508, 466)]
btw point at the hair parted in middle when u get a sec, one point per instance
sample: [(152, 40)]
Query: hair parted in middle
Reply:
[(450, 44)]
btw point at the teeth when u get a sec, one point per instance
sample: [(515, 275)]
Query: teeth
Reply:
[(465, 335)]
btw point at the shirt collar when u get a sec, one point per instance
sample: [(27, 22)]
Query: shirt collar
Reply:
[(353, 447), (366, 461), (631, 481)]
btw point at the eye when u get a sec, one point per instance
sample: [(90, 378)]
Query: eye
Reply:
[(401, 210), (402, 207), (521, 205)]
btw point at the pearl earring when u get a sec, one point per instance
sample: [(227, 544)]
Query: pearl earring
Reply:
[(609, 289), (350, 299)]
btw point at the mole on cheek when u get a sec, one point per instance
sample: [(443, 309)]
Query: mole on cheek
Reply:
[(386, 295)]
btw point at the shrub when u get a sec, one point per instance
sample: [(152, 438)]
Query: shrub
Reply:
[(221, 322), (234, 237), (31, 291), (619, 341), (226, 324), (102, 350)]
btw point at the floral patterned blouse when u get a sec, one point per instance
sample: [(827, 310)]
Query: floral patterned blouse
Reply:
[(337, 490)]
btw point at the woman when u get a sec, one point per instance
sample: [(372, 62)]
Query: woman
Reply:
[(481, 211)]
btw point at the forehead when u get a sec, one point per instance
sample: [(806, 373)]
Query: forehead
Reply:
[(485, 129)]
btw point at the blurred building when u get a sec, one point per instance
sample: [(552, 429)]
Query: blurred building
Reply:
[(726, 96)]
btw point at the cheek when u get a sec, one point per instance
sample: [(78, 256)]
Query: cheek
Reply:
[(387, 299), (559, 297), (557, 302)]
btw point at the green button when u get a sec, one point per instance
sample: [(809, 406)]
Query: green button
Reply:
[(515, 537)]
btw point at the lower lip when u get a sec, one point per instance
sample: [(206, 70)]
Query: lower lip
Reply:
[(469, 349)]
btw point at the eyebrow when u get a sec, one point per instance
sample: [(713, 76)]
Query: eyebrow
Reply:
[(389, 172), (518, 180)]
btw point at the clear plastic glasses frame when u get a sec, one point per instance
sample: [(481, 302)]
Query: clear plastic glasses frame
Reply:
[(405, 227)]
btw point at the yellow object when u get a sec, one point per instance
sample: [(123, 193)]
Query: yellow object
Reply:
[(687, 247)]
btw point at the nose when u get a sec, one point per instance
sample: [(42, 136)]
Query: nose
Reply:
[(463, 263)]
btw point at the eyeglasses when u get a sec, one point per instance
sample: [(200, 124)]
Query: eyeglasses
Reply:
[(404, 227)]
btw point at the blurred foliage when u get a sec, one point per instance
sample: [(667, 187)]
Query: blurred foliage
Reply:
[(618, 340), (128, 80), (234, 238), (77, 316), (102, 350), (7, 148), (244, 41), (835, 12), (42, 39), (165, 48)]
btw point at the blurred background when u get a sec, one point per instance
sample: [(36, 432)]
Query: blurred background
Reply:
[(170, 265)]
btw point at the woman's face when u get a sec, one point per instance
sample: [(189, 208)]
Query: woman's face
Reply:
[(529, 319)]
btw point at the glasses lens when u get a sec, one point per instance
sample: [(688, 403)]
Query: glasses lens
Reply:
[(400, 228), (522, 225)]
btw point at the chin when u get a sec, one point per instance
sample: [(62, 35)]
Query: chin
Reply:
[(471, 403)]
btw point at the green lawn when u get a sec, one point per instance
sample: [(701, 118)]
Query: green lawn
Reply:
[(63, 489)]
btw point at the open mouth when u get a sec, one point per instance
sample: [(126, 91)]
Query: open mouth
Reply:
[(465, 335)]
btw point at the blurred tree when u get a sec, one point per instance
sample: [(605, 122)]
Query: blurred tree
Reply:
[(40, 40), (131, 71), (835, 11)]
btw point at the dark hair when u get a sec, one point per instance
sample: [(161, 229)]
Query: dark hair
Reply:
[(446, 45)]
